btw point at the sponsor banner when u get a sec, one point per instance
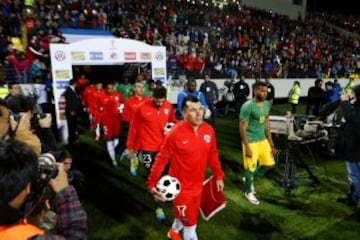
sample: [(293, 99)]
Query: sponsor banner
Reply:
[(96, 56), (78, 56), (145, 56), (62, 84), (62, 74), (129, 56), (159, 71)]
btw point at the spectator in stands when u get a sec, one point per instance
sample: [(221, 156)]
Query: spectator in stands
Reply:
[(22, 66)]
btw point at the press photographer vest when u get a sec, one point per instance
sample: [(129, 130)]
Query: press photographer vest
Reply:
[(20, 231)]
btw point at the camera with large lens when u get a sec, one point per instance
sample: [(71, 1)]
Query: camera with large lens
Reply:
[(46, 170)]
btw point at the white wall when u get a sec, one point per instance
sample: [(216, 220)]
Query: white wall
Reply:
[(282, 86)]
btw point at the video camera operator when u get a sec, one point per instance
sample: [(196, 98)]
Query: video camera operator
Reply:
[(351, 144), (19, 170)]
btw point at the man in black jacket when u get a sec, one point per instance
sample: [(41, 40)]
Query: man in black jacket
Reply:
[(241, 92), (71, 110), (314, 98), (351, 144), (211, 93)]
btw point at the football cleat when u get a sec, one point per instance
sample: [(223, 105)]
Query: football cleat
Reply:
[(124, 154), (251, 198), (174, 235), (134, 164), (115, 164), (160, 215)]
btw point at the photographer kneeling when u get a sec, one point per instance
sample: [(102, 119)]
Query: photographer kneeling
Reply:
[(18, 171)]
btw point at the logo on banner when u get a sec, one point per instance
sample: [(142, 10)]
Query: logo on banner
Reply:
[(145, 56), (159, 71), (78, 56), (113, 56), (62, 74), (130, 56), (96, 56), (62, 84), (60, 56), (159, 56)]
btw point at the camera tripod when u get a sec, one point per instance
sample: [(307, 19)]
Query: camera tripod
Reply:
[(294, 158)]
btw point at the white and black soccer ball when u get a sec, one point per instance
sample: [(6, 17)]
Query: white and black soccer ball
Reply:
[(169, 187), (168, 126)]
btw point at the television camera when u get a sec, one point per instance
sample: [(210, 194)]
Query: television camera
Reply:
[(299, 132)]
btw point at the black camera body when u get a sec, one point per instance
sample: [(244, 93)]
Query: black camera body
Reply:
[(15, 116)]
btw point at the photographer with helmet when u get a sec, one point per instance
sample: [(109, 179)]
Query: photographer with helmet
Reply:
[(19, 172)]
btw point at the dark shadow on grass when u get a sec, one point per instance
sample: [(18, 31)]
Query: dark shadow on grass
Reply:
[(112, 192), (256, 222)]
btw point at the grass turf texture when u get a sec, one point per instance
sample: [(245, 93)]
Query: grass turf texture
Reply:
[(119, 207)]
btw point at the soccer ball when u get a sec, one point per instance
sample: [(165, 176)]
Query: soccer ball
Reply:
[(169, 187), (168, 126)]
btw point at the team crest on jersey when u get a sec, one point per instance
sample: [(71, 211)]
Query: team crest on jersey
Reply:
[(166, 111), (207, 138)]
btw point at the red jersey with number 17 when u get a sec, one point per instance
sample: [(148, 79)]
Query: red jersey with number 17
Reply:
[(188, 153)]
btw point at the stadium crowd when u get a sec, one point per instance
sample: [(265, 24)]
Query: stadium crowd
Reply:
[(231, 42), (200, 41)]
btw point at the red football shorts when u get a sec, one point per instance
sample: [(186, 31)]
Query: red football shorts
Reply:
[(186, 208)]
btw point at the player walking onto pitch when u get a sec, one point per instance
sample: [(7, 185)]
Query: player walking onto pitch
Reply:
[(256, 138), (128, 115), (112, 106), (188, 148), (95, 108), (146, 132)]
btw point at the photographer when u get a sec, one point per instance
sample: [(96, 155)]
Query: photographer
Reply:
[(18, 127), (23, 109), (18, 172)]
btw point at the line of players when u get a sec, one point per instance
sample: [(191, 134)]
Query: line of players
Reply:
[(107, 109)]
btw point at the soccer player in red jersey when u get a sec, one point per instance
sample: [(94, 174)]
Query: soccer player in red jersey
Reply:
[(94, 103), (188, 148), (112, 106), (133, 102), (146, 133)]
